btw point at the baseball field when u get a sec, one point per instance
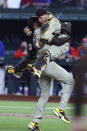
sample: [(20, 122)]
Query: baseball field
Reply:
[(15, 116)]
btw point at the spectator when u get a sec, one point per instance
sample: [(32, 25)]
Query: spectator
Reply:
[(81, 49), (26, 3), (13, 4), (3, 3), (21, 52), (71, 53), (25, 79), (2, 71), (42, 3)]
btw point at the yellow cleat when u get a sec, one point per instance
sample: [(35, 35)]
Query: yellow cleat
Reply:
[(36, 73), (61, 115), (34, 126), (10, 69)]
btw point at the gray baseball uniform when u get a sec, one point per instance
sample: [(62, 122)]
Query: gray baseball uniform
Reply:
[(55, 71), (55, 51)]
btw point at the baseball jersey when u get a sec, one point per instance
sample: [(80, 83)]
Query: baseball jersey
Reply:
[(52, 25), (46, 32)]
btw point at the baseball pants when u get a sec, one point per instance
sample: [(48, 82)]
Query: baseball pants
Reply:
[(55, 71)]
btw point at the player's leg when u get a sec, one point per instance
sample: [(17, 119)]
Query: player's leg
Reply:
[(55, 71), (59, 111), (40, 64), (47, 55), (45, 84), (12, 70), (57, 51)]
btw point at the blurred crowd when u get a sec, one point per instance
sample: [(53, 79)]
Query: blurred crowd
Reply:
[(24, 84), (15, 4)]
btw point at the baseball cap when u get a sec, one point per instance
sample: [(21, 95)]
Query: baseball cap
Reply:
[(41, 12)]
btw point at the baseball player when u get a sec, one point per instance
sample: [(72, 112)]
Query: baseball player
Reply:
[(59, 74), (58, 44), (52, 70)]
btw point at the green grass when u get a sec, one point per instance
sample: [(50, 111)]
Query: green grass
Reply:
[(28, 107), (20, 123)]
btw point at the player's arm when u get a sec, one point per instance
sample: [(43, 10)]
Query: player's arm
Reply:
[(64, 35), (48, 28), (57, 39), (60, 40)]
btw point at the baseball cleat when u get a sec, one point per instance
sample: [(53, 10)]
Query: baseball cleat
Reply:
[(36, 73), (33, 126), (61, 115), (10, 69)]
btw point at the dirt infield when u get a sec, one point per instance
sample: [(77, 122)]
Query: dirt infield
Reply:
[(30, 115), (34, 98)]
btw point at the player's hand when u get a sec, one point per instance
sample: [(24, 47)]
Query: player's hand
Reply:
[(27, 31)]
